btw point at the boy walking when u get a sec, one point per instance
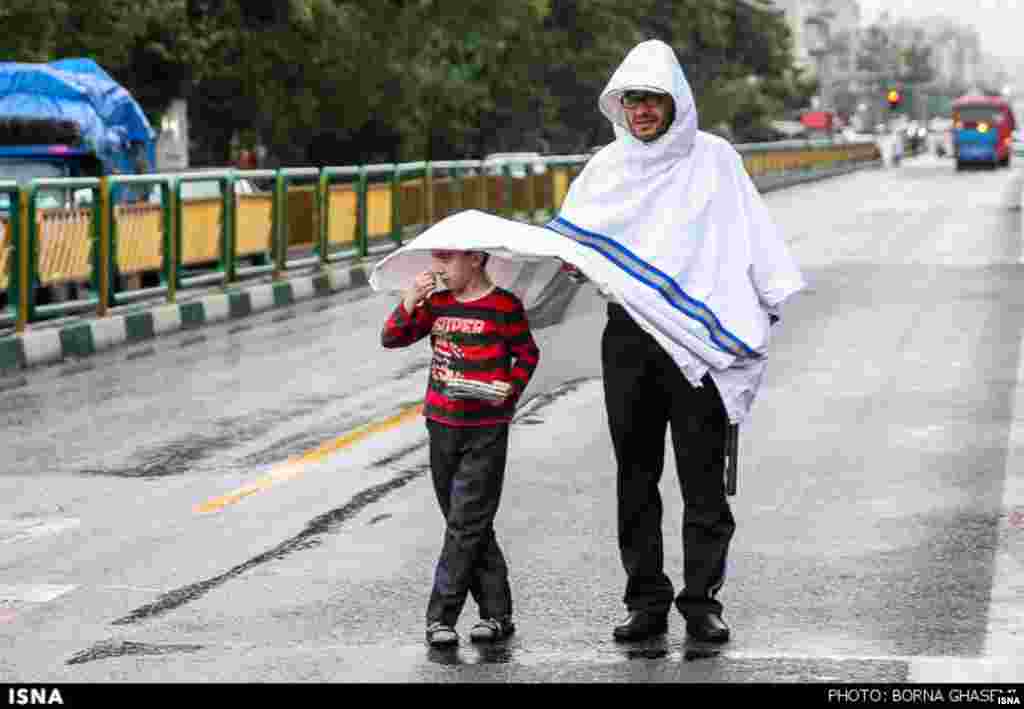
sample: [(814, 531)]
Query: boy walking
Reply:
[(484, 356)]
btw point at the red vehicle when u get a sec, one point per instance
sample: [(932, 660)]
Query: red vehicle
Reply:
[(982, 130)]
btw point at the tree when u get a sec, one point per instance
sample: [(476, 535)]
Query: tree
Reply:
[(350, 81), (588, 38), (731, 52), (37, 35), (916, 63), (877, 52)]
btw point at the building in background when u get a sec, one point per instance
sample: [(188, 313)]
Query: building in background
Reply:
[(826, 41), (857, 65)]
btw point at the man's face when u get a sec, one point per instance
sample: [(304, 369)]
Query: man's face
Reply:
[(647, 114), (456, 268)]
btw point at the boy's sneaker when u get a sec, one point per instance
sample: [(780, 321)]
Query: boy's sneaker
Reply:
[(491, 629), (441, 635)]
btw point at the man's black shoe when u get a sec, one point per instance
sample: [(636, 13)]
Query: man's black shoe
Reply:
[(640, 625), (708, 627)]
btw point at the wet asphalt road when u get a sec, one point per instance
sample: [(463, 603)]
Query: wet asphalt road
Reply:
[(251, 502)]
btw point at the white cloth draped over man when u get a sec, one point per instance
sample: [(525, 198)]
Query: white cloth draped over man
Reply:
[(674, 230)]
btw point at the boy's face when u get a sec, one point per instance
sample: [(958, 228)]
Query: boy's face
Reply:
[(456, 268)]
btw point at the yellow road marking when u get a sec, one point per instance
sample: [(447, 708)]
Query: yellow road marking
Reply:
[(293, 467)]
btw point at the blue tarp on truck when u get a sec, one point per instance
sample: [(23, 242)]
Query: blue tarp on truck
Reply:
[(110, 121)]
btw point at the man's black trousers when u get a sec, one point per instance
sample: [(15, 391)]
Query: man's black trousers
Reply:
[(645, 391), (468, 469)]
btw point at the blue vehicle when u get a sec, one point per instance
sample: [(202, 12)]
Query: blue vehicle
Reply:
[(983, 128), (69, 118)]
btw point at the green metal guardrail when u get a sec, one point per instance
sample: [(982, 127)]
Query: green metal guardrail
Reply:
[(233, 272), (284, 178), (18, 240), (24, 231), (170, 266), (328, 176), (226, 186), (100, 277)]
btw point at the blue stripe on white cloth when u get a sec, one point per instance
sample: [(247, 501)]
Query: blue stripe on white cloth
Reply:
[(660, 282)]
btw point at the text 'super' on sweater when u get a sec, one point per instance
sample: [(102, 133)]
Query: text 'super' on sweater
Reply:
[(484, 354)]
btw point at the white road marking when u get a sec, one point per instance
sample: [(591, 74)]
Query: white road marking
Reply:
[(22, 530), (37, 593), (1003, 660)]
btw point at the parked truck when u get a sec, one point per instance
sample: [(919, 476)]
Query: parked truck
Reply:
[(69, 118)]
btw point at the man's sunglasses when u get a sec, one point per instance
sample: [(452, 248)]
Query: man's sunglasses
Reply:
[(632, 99)]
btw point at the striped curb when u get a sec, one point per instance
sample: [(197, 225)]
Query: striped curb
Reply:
[(83, 339)]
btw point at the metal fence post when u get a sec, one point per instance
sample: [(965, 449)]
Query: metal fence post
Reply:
[(179, 247), (481, 185), (362, 215), (103, 241), (552, 210), (168, 205), (10, 188), (506, 190), (22, 257), (30, 257), (428, 195), (323, 207), (229, 229), (280, 226), (396, 205)]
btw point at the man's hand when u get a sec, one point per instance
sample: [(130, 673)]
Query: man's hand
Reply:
[(421, 288)]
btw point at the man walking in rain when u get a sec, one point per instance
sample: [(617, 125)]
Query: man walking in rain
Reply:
[(703, 272)]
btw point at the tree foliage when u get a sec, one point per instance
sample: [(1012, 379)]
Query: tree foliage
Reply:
[(349, 81)]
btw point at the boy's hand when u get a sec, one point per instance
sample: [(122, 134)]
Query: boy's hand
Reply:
[(421, 288), (507, 392)]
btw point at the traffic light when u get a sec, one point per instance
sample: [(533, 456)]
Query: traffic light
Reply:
[(895, 98)]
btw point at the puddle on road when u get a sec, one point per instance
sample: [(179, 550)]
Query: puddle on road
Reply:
[(499, 653), (181, 455), (175, 458), (512, 651), (113, 648)]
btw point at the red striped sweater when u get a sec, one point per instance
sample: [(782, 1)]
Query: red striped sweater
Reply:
[(479, 346)]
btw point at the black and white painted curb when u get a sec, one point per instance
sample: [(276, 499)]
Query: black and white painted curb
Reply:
[(87, 337)]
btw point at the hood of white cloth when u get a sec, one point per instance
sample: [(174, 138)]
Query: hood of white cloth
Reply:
[(681, 218), (652, 65)]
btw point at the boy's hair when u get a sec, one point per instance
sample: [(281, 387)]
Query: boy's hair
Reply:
[(484, 258)]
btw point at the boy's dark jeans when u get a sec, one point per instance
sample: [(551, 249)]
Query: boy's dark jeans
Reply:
[(468, 468), (644, 392)]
